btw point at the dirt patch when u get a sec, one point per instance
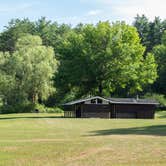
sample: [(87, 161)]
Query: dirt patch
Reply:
[(88, 153)]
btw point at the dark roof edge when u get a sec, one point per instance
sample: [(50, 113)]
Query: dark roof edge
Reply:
[(111, 100), (83, 100)]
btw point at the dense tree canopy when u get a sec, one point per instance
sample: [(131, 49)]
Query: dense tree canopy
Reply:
[(150, 31), (50, 33), (103, 59), (99, 59), (160, 55), (27, 74)]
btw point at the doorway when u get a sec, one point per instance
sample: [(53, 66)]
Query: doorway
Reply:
[(78, 112)]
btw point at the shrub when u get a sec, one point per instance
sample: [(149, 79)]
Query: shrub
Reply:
[(28, 107), (18, 108), (39, 108), (158, 97), (43, 109), (54, 110)]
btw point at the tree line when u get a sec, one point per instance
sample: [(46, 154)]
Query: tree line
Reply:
[(46, 63)]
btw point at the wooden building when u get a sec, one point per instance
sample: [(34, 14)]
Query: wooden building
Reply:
[(99, 107)]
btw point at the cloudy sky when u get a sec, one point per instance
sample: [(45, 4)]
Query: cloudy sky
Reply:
[(76, 11)]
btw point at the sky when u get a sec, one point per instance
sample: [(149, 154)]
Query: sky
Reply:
[(76, 11)]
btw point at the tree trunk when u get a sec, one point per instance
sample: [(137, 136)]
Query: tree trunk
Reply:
[(100, 89), (34, 98)]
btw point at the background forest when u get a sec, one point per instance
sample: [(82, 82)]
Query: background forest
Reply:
[(44, 64)]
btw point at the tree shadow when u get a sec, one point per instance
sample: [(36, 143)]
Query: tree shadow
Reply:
[(162, 116), (30, 117), (156, 130)]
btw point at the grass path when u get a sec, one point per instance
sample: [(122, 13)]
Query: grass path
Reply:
[(47, 140)]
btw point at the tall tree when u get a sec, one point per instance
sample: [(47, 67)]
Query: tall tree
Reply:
[(36, 68), (143, 28), (7, 79), (150, 32), (31, 68), (105, 57), (51, 33), (160, 55), (15, 29)]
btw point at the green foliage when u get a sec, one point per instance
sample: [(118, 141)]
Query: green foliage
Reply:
[(27, 74), (15, 29), (160, 98), (150, 32), (43, 109), (160, 56), (104, 57), (54, 110), (23, 107), (50, 33), (36, 68)]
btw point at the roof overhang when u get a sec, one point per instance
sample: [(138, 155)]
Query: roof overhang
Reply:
[(87, 99), (116, 101)]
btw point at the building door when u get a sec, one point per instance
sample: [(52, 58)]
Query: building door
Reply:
[(78, 112)]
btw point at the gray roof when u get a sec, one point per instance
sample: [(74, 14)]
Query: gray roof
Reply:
[(86, 99), (132, 101), (116, 101)]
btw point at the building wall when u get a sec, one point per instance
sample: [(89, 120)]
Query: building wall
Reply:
[(111, 111), (140, 111), (95, 111)]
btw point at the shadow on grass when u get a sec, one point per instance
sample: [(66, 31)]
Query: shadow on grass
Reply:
[(156, 130), (162, 116), (30, 117)]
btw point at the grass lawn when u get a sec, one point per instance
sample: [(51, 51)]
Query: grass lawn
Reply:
[(48, 140)]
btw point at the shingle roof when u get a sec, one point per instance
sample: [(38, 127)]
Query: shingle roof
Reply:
[(132, 101), (116, 101), (86, 99)]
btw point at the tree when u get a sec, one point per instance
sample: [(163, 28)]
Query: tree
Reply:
[(31, 70), (150, 32), (104, 58), (50, 33), (7, 79), (143, 28), (156, 32), (36, 67), (160, 56), (16, 29)]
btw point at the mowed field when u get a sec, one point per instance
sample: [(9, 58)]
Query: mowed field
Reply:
[(48, 140)]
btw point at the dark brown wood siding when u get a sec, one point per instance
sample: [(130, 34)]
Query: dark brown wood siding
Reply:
[(95, 111), (110, 111), (133, 111)]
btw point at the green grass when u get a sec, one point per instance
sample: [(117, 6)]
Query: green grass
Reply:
[(48, 140)]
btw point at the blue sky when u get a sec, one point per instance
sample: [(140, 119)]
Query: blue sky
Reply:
[(76, 11)]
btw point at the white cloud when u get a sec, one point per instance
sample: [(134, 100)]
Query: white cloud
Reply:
[(6, 8), (128, 9), (94, 12)]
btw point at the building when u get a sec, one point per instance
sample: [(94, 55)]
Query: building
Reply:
[(99, 107)]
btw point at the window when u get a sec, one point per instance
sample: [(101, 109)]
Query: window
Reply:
[(96, 101), (93, 101), (99, 101)]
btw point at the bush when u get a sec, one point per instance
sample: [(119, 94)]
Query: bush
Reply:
[(39, 108), (54, 110), (19, 108), (43, 109), (158, 97), (29, 107)]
